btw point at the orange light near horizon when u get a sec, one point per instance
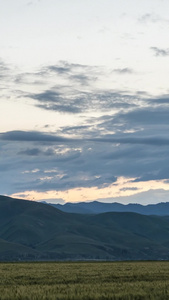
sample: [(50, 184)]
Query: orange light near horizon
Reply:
[(121, 188)]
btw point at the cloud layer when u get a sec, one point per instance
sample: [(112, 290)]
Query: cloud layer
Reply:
[(128, 138)]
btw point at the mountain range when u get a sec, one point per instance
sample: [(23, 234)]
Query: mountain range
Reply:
[(95, 207), (37, 231)]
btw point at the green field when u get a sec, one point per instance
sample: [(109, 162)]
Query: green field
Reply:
[(84, 280)]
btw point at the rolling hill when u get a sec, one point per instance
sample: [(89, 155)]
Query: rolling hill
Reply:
[(36, 231)]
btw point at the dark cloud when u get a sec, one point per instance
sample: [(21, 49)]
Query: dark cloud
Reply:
[(160, 101), (156, 141), (31, 152), (80, 102), (160, 52), (32, 136), (98, 166), (144, 122), (96, 163), (37, 152), (52, 100), (144, 116)]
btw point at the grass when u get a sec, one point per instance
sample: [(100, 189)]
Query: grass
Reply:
[(84, 280)]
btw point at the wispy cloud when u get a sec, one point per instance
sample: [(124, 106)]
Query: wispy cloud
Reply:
[(160, 52), (123, 71), (73, 72), (153, 18), (6, 71), (82, 101)]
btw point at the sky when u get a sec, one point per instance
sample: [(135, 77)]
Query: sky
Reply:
[(84, 101)]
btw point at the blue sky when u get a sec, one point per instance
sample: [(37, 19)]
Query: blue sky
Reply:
[(84, 100)]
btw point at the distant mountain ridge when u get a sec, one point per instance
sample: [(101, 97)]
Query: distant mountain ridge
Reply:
[(36, 231), (95, 207)]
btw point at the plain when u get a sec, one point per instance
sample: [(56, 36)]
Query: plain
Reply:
[(84, 280)]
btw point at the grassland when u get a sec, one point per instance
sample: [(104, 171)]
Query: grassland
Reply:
[(85, 280)]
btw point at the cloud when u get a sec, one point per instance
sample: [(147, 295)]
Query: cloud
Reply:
[(153, 18), (3, 67), (53, 100), (37, 152), (129, 189), (76, 90), (80, 101), (94, 159), (137, 148), (144, 116), (77, 73), (162, 101), (32, 136), (147, 122), (31, 152), (119, 133), (39, 137), (160, 52), (6, 72), (123, 71), (156, 141), (82, 78)]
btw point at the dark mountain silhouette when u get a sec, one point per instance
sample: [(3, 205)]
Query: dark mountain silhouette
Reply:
[(36, 231), (95, 207)]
